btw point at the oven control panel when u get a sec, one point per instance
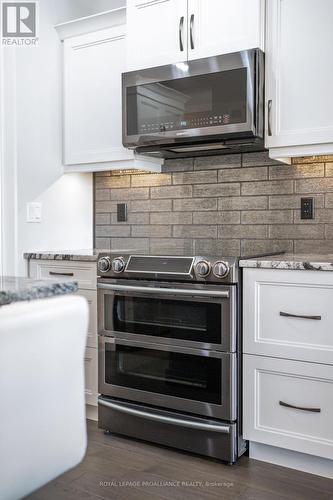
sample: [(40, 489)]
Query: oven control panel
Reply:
[(176, 268)]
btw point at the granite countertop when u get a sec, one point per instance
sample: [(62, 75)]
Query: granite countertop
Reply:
[(16, 289), (300, 262), (84, 254)]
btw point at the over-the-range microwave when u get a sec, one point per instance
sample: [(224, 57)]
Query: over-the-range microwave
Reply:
[(207, 106)]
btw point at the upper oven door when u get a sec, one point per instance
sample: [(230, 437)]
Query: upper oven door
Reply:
[(202, 316), (202, 99)]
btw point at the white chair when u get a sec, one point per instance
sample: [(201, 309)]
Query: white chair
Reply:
[(42, 405)]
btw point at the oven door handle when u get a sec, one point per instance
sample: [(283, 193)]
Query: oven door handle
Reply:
[(167, 420), (165, 291), (113, 342)]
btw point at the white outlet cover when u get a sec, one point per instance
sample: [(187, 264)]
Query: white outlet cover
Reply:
[(34, 211)]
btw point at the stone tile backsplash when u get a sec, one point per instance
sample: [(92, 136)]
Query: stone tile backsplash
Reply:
[(218, 205)]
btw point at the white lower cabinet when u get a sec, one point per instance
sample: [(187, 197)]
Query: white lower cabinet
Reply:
[(91, 373), (85, 274), (289, 314), (288, 362), (289, 404)]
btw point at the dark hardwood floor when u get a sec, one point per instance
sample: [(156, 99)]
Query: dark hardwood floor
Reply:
[(119, 468)]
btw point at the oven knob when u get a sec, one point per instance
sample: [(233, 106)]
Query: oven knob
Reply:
[(118, 265), (104, 264), (221, 269), (202, 268)]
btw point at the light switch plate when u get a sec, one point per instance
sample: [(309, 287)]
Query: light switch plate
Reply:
[(34, 211)]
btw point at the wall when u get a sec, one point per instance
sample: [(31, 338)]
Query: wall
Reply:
[(218, 205), (31, 156)]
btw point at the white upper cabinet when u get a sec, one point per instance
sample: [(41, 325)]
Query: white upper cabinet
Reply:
[(223, 26), (156, 32), (299, 77), (92, 98), (169, 31), (93, 64)]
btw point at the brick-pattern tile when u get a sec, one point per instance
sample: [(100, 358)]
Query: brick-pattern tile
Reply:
[(267, 217), (195, 177), (183, 165), (252, 247), (151, 231), (218, 205), (102, 219), (216, 162), (151, 206), (120, 181), (171, 192), (171, 246), (267, 187), (217, 247), (195, 204), (243, 174), (150, 180), (171, 218), (281, 202), (298, 171), (213, 190), (216, 217), (112, 231), (193, 231), (129, 194), (242, 231), (243, 203), (296, 231)]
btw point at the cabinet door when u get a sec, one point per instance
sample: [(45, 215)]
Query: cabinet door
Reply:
[(222, 26), (299, 72), (90, 365), (93, 64), (156, 32)]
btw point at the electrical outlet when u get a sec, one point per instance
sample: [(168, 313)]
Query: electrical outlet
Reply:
[(34, 212), (307, 208), (121, 212)]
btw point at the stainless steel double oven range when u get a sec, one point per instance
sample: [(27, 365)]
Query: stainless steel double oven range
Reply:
[(169, 351)]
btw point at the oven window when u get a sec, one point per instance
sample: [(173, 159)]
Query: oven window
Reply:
[(169, 373), (194, 102), (175, 319)]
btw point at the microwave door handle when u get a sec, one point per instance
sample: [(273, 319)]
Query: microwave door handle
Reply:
[(191, 31), (181, 28)]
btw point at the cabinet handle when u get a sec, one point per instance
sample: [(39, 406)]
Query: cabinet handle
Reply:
[(269, 117), (191, 31), (181, 26), (289, 315), (54, 273), (287, 405)]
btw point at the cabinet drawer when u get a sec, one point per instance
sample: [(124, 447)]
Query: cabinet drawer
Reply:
[(90, 366), (84, 273), (91, 296), (289, 314), (272, 384)]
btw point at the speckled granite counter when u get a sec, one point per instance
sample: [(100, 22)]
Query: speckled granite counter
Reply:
[(16, 289), (85, 254), (291, 261)]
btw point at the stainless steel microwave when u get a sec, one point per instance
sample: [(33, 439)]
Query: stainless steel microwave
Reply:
[(207, 106)]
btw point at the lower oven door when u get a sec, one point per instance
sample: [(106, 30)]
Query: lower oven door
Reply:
[(189, 380)]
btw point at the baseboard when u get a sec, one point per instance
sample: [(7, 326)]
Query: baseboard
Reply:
[(291, 459), (92, 412)]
